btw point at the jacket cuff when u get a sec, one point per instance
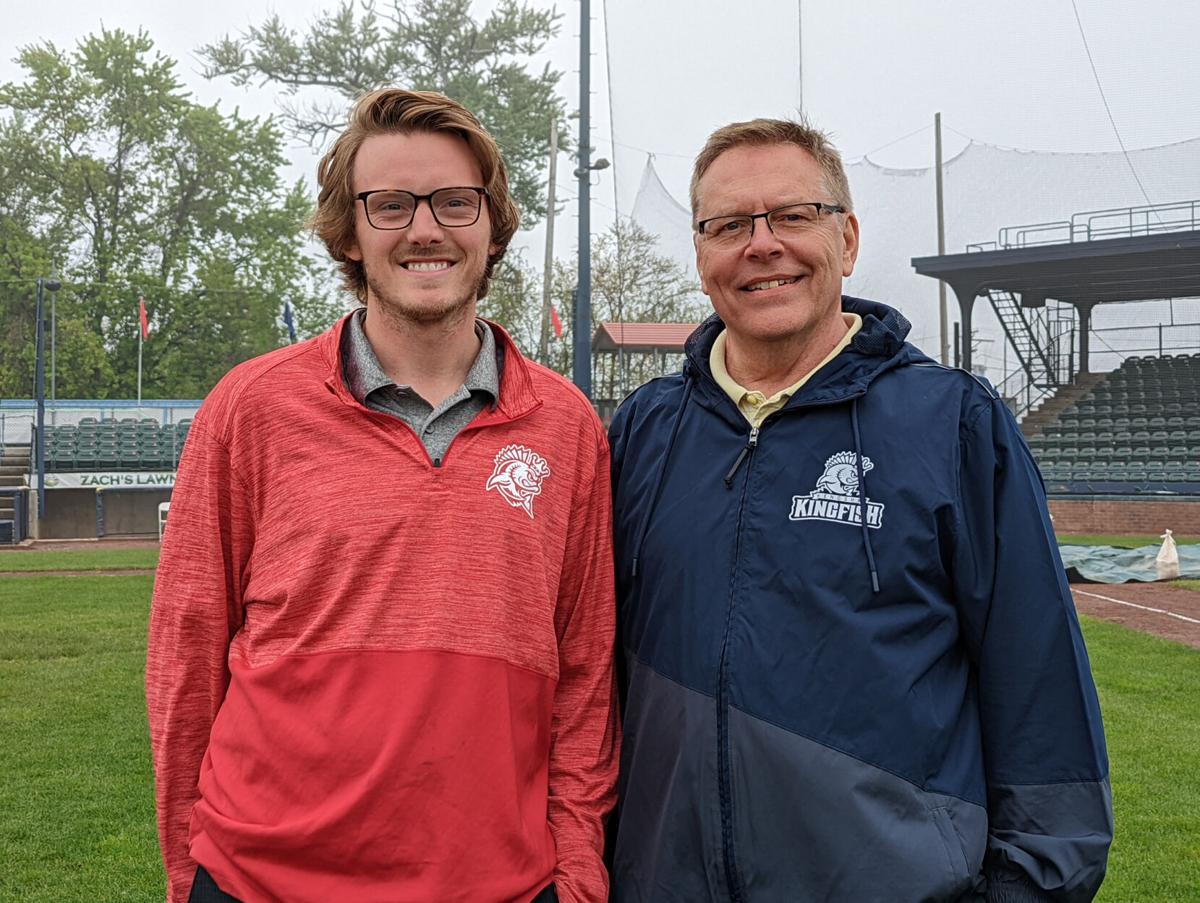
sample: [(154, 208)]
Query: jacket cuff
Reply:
[(1004, 887)]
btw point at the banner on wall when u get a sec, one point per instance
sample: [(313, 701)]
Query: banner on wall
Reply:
[(108, 479)]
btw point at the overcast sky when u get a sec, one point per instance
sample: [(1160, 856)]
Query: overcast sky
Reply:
[(871, 71)]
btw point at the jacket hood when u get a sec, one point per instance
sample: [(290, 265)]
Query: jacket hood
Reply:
[(878, 347)]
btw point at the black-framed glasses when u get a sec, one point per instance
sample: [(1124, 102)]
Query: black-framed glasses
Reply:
[(391, 208), (791, 219)]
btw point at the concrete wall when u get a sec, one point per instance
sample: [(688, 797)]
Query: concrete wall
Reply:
[(132, 510), (1137, 516), (71, 513)]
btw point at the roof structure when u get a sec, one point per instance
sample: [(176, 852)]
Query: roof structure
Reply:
[(646, 338), (1098, 256), (1135, 268)]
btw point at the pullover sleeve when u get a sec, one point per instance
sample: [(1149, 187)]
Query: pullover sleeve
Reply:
[(1049, 802), (196, 609), (584, 727)]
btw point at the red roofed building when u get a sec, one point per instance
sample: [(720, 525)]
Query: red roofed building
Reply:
[(642, 338), (640, 352)]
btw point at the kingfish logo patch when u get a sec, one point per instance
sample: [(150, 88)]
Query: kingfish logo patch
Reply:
[(518, 476), (836, 497)]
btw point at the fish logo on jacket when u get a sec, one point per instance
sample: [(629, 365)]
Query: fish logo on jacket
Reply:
[(836, 496), (518, 476)]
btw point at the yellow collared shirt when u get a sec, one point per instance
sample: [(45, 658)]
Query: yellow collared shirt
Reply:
[(755, 406)]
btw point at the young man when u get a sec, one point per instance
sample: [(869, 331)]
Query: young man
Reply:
[(855, 672), (381, 635)]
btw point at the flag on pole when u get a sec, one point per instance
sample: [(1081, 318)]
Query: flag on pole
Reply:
[(556, 322), (289, 320), (143, 319)]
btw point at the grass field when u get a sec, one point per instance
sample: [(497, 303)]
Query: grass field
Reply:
[(79, 560), (1122, 542), (76, 802)]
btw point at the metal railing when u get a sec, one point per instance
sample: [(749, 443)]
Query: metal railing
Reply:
[(1113, 344), (1093, 225), (1019, 388), (1110, 346), (16, 530), (17, 416)]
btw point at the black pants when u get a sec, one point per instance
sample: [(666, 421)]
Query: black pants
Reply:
[(205, 890)]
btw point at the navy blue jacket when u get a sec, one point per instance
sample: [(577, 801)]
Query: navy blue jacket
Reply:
[(853, 667)]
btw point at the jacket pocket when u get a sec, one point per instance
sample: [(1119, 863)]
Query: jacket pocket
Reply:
[(950, 840)]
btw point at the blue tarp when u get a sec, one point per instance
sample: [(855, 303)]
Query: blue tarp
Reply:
[(1105, 564)]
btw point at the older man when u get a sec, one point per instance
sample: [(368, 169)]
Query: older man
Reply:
[(380, 663), (854, 669)]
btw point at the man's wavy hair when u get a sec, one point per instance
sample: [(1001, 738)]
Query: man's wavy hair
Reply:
[(765, 132), (394, 111)]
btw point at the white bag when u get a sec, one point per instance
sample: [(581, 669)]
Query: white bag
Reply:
[(1167, 562)]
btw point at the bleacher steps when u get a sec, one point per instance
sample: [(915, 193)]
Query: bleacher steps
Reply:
[(1035, 421), (14, 472)]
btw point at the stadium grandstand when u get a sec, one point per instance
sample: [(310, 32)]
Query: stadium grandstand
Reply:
[(1133, 431), (108, 465)]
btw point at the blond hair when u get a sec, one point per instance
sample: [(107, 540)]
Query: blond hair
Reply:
[(765, 132), (397, 111)]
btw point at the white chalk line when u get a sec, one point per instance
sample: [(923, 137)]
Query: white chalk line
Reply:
[(1157, 611)]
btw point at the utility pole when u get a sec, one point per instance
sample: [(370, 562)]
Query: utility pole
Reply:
[(544, 338), (800, 54), (582, 364), (943, 316)]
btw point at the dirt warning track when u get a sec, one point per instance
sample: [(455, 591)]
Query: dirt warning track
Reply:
[(1164, 611)]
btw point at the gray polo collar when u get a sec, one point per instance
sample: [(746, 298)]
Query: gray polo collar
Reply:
[(364, 374)]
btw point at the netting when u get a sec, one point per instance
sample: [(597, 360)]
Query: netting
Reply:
[(986, 189)]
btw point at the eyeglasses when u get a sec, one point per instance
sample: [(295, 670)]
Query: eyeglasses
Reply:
[(394, 209), (792, 219)]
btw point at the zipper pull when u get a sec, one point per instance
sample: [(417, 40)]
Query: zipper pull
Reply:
[(751, 444)]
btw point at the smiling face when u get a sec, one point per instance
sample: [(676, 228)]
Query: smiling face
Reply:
[(425, 273), (773, 288)]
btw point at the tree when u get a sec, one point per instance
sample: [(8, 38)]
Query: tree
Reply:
[(120, 184), (514, 300), (433, 45), (631, 283)]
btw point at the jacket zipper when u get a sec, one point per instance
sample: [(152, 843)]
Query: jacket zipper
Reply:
[(473, 426), (751, 444), (724, 767)]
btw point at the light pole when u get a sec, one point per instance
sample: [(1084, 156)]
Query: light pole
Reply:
[(39, 389), (582, 364), (582, 367)]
